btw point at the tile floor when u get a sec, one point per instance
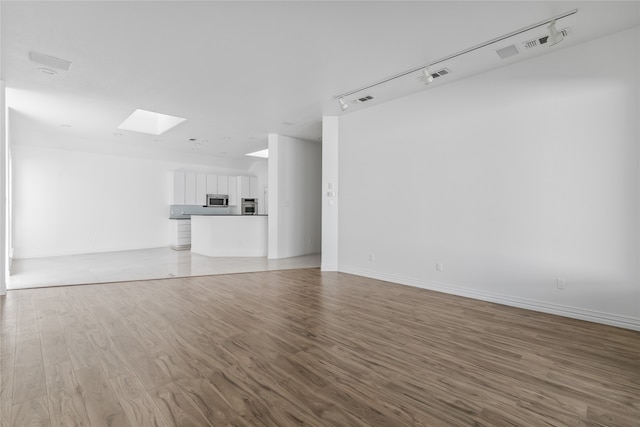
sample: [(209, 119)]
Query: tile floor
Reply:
[(156, 263)]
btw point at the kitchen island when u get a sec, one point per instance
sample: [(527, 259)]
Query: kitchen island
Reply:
[(229, 235)]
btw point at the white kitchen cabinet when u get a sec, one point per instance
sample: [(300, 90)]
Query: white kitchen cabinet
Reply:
[(248, 186), (190, 188), (212, 184), (201, 189), (253, 187), (244, 187), (180, 238), (178, 194), (233, 190), (223, 184)]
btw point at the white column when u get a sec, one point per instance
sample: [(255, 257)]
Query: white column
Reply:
[(273, 197), (3, 192), (330, 193)]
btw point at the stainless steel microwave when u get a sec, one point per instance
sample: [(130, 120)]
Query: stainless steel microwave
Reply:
[(217, 200)]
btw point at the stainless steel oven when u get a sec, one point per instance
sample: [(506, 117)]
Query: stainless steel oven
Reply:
[(249, 206)]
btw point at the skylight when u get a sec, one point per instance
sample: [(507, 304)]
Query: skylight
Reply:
[(262, 153), (149, 122)]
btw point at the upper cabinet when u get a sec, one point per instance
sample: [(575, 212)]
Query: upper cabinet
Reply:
[(212, 184), (190, 188), (201, 189), (253, 187), (223, 184), (248, 186), (233, 190), (243, 187), (178, 181)]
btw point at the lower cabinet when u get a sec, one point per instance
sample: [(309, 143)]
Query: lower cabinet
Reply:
[(180, 238)]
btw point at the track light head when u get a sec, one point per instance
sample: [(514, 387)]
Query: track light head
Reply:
[(555, 37), (427, 78), (343, 104)]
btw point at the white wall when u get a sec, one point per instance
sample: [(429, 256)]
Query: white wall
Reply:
[(295, 185), (4, 250), (510, 179), (72, 202), (330, 157)]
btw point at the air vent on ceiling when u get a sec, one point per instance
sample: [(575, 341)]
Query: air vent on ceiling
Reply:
[(364, 99), (50, 61), (507, 52), (440, 73), (543, 40), (435, 74)]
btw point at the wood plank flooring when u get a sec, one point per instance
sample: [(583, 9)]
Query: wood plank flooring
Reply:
[(301, 347)]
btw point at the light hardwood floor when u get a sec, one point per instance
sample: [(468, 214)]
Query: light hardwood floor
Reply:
[(301, 347)]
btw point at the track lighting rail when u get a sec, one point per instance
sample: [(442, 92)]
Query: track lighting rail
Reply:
[(462, 52)]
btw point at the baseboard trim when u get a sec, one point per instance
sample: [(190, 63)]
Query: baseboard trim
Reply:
[(534, 305), (328, 267)]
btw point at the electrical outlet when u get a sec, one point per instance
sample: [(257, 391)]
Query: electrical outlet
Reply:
[(372, 258), (561, 284), (439, 266)]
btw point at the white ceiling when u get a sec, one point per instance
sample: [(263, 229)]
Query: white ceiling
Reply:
[(240, 70)]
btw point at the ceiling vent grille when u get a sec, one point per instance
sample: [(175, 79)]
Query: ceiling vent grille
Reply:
[(543, 40), (50, 61), (507, 52), (435, 74), (440, 73), (364, 99)]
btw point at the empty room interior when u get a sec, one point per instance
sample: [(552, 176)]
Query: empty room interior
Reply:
[(320, 213)]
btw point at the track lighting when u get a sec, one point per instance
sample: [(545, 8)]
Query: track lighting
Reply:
[(426, 76), (555, 37), (343, 104)]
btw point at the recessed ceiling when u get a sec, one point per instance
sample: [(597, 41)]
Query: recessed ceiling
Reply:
[(241, 70)]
